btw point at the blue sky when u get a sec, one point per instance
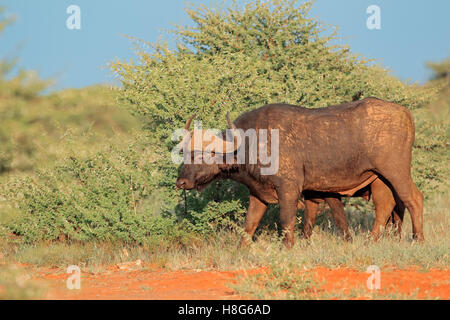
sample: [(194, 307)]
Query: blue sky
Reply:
[(412, 33)]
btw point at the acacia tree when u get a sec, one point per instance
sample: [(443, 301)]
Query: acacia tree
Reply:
[(238, 58)]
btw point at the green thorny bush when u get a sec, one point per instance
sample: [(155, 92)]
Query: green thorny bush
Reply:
[(231, 60), (431, 154), (106, 197), (112, 195)]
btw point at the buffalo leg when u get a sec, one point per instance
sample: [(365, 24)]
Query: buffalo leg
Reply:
[(415, 208), (255, 212), (339, 216), (288, 199), (384, 202), (311, 211), (409, 195), (398, 174), (396, 219)]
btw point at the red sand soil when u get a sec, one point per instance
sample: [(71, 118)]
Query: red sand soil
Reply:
[(131, 282), (429, 284)]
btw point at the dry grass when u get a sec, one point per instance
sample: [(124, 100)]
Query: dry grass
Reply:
[(221, 251)]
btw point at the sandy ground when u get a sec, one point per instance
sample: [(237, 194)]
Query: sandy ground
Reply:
[(133, 281)]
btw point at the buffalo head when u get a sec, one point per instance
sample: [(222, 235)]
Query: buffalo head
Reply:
[(203, 155)]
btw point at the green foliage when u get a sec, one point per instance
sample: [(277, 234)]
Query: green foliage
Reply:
[(217, 208), (112, 195), (36, 130), (441, 70), (431, 154), (26, 85), (104, 197)]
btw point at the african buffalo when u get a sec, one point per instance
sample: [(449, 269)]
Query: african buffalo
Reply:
[(335, 150)]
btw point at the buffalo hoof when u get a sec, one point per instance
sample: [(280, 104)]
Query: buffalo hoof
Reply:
[(418, 237)]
